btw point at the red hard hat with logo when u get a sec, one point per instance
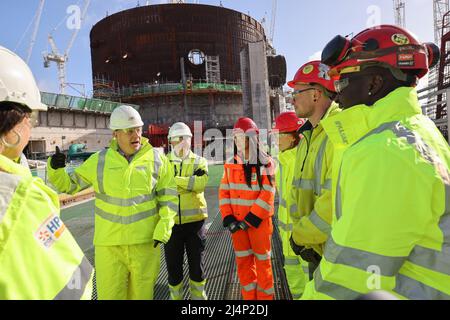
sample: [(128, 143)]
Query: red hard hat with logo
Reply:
[(387, 45), (313, 72), (288, 122), (246, 125)]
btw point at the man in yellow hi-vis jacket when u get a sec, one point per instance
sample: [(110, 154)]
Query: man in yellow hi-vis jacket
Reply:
[(135, 205), (311, 190), (391, 180), (191, 177)]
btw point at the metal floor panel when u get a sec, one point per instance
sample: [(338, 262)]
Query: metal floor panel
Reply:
[(222, 282)]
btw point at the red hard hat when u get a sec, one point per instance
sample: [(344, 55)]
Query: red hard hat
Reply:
[(247, 125), (288, 122), (386, 44), (313, 72)]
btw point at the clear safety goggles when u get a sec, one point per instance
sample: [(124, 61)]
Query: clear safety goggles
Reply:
[(130, 131), (297, 92)]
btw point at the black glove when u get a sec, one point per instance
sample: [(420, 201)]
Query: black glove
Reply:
[(58, 160), (243, 225), (253, 220), (155, 243), (308, 255), (295, 247), (234, 227), (311, 256), (199, 172), (228, 220)]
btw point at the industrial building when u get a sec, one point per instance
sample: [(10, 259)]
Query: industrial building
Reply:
[(183, 62)]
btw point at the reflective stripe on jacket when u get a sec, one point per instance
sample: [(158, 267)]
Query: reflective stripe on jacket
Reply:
[(284, 175), (135, 202), (192, 203), (238, 199), (391, 197), (39, 258), (311, 187), (296, 269)]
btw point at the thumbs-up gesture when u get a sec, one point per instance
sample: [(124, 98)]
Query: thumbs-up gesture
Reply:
[(58, 160)]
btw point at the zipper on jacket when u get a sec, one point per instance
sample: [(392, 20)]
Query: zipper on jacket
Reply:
[(307, 150), (306, 127)]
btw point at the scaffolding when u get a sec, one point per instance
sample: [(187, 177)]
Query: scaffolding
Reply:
[(154, 89), (212, 69)]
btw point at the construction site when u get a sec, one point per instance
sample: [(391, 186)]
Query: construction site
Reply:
[(187, 62)]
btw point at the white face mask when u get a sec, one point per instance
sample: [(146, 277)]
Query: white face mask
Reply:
[(181, 150)]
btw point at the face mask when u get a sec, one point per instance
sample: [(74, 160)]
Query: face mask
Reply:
[(182, 149)]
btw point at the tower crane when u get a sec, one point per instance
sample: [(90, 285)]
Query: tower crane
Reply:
[(36, 28), (273, 20), (61, 59), (399, 10)]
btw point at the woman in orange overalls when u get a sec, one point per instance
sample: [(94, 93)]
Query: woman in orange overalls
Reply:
[(246, 201)]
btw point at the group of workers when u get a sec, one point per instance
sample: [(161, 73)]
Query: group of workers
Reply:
[(362, 179)]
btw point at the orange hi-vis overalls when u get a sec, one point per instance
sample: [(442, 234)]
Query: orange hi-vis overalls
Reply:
[(252, 246)]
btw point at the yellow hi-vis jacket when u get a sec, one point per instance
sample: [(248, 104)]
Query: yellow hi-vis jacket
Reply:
[(39, 258), (191, 197), (297, 272), (391, 198), (135, 202), (311, 187)]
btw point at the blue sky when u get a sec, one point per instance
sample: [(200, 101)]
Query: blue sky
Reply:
[(302, 28)]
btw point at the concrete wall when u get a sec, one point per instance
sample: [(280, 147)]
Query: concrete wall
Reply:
[(215, 110), (62, 128), (256, 84)]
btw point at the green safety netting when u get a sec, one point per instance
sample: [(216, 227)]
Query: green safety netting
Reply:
[(62, 101), (175, 87)]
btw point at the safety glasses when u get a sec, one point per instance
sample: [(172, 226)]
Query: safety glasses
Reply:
[(297, 92), (130, 131)]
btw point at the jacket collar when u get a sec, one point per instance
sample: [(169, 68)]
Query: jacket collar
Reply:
[(8, 165), (331, 111), (352, 124), (287, 156)]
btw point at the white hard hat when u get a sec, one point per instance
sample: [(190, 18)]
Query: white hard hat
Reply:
[(179, 129), (17, 83), (125, 117)]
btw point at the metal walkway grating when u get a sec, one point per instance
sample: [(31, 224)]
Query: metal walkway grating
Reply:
[(220, 265)]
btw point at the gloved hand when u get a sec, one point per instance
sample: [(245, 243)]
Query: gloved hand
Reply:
[(243, 225), (199, 172), (308, 255), (311, 256), (155, 243), (295, 247), (234, 227), (58, 160)]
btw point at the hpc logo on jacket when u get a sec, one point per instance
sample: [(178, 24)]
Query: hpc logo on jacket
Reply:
[(50, 231)]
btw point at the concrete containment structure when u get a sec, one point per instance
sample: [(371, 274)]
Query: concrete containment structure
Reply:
[(179, 62)]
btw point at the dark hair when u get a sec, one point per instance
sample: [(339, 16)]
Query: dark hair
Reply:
[(296, 137), (248, 169), (11, 114)]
